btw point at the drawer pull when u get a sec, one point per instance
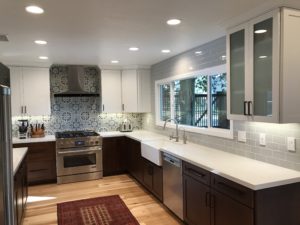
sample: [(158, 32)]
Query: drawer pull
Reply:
[(196, 173), (39, 170), (230, 188), (212, 201)]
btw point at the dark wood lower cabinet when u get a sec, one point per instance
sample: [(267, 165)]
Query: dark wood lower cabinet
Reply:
[(224, 202), (196, 202), (153, 178), (226, 211), (114, 156), (20, 192), (41, 161), (134, 159), (144, 171)]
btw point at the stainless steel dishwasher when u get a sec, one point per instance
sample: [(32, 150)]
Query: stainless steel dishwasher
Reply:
[(172, 184)]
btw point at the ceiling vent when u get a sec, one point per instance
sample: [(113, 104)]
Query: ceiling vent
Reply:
[(3, 37)]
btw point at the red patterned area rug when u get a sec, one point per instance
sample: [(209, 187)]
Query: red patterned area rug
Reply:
[(109, 210)]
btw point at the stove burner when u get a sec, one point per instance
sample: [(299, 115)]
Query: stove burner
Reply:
[(75, 134)]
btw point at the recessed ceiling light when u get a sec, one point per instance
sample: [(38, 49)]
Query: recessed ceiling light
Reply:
[(133, 49), (173, 22), (40, 42), (43, 57), (165, 51), (34, 9), (114, 61), (198, 53), (262, 56), (261, 31)]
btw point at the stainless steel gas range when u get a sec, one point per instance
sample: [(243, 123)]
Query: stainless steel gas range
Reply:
[(78, 156)]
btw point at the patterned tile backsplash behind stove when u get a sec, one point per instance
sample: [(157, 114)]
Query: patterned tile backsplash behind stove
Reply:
[(78, 113)]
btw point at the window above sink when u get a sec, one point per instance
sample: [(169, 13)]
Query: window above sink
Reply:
[(197, 100)]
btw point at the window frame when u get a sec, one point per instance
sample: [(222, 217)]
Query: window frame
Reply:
[(219, 132)]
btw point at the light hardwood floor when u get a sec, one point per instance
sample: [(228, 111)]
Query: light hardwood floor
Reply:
[(146, 208)]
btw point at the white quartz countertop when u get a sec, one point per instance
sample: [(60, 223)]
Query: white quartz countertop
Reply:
[(139, 135), (47, 138), (18, 156), (251, 173)]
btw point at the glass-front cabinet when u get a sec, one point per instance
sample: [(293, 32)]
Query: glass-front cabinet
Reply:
[(253, 68)]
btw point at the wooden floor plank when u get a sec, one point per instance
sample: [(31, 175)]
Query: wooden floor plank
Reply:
[(146, 208)]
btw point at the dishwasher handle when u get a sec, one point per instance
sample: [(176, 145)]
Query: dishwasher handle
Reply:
[(172, 160)]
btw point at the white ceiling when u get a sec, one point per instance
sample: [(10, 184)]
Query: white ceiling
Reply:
[(98, 31)]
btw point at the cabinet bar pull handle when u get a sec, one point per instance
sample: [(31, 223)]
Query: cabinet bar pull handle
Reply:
[(249, 108), (212, 201), (38, 170), (245, 108), (25, 109), (22, 111), (207, 199), (196, 173), (231, 189), (103, 107), (123, 107)]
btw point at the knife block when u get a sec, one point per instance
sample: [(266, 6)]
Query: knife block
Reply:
[(37, 133)]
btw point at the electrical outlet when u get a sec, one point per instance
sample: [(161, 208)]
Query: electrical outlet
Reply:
[(242, 136), (291, 144), (262, 139)]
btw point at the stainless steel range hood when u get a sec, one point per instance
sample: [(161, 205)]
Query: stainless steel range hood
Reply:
[(75, 88)]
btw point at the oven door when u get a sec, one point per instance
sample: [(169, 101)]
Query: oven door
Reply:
[(77, 161)]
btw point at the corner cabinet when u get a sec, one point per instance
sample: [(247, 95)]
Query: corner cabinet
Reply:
[(126, 91), (30, 91), (262, 68)]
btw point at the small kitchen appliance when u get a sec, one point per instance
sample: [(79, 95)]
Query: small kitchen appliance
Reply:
[(23, 129), (126, 126)]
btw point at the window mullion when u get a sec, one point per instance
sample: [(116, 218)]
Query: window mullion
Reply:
[(208, 102), (172, 99)]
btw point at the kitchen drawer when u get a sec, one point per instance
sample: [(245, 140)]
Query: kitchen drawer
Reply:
[(197, 173), (41, 172), (39, 151), (233, 190)]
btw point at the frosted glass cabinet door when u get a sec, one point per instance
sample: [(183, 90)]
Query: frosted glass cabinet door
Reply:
[(262, 67), (237, 72)]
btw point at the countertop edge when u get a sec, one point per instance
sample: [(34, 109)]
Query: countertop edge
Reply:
[(48, 138), (18, 160), (234, 179)]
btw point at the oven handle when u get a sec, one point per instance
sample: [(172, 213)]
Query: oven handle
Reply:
[(79, 151)]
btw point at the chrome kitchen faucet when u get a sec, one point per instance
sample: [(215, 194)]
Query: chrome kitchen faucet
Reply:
[(171, 136)]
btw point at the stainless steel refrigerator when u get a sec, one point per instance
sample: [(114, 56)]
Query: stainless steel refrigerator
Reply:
[(6, 167)]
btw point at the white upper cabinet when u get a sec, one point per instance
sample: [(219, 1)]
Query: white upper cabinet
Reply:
[(111, 91), (30, 88), (136, 91), (130, 91), (262, 68), (126, 91)]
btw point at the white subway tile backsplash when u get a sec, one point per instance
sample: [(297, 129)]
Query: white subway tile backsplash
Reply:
[(274, 152)]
